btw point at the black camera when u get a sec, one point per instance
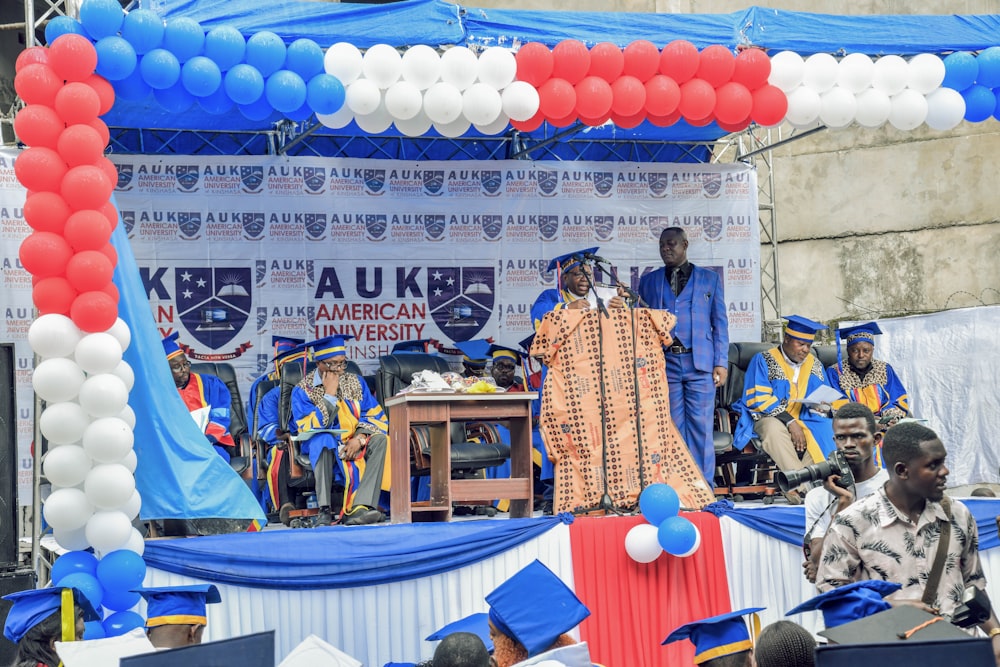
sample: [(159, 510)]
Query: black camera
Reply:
[(835, 464), (975, 608)]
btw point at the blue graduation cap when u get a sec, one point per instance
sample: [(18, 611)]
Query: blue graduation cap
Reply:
[(717, 636), (502, 352), (802, 327), (329, 347), (526, 343), (477, 624), (861, 332), (570, 260), (476, 352), (535, 607), (29, 608), (412, 346), (178, 605), (282, 344), (851, 602), (171, 347)]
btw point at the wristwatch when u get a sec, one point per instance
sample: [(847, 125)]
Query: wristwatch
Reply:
[(993, 633)]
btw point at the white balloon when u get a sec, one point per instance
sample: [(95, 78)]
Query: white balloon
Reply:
[(421, 66), (57, 379), (820, 72), (855, 71), (909, 110), (945, 109), (135, 542), (103, 395), (890, 75), (72, 540), (803, 106), (98, 353), (338, 119), (67, 509), (126, 374), (497, 67), (695, 546), (363, 97), (121, 332), (873, 108), (454, 129), (376, 122), (108, 530), (641, 543), (63, 423), (501, 123), (53, 336), (443, 103), (382, 65), (459, 67), (132, 506), (109, 486), (926, 72), (837, 108), (481, 104), (343, 61), (130, 461), (417, 126), (787, 69), (403, 100), (520, 100), (66, 466), (108, 440), (127, 415)]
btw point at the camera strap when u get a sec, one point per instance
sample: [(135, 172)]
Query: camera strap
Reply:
[(934, 576)]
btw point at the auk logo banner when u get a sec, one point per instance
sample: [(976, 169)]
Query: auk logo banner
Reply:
[(461, 299), (213, 304)]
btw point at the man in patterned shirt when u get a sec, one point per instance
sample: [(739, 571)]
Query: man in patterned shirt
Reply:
[(893, 534)]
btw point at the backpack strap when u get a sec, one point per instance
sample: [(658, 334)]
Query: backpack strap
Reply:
[(934, 576)]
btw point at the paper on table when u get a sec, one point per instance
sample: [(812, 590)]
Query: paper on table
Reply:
[(821, 394)]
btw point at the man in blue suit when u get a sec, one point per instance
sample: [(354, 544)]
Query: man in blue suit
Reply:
[(696, 361)]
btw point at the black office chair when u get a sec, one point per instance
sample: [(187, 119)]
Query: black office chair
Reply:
[(242, 458), (827, 355)]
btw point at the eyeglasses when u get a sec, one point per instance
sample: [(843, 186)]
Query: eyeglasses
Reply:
[(504, 367), (181, 366), (334, 364)]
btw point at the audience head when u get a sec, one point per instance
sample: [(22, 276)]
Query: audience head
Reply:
[(506, 361), (180, 367), (800, 332), (915, 458), (673, 247), (785, 644), (34, 622), (860, 342), (719, 641), (461, 649), (176, 615), (856, 435), (983, 492)]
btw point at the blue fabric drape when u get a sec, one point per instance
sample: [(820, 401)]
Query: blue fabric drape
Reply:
[(342, 557)]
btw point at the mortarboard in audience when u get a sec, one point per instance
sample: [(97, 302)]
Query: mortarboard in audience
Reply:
[(718, 636), (850, 602)]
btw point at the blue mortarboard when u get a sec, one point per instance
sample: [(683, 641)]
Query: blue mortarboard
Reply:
[(476, 351), (477, 624), (802, 327), (526, 343), (331, 346), (500, 351), (282, 344), (178, 605), (865, 332), (851, 602), (170, 346), (29, 608), (717, 636), (535, 607), (571, 259), (409, 346)]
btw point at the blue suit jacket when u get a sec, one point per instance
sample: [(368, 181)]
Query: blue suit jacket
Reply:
[(703, 303)]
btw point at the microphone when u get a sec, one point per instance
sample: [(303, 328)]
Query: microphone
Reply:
[(595, 258)]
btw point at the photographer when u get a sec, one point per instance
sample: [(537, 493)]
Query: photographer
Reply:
[(856, 436)]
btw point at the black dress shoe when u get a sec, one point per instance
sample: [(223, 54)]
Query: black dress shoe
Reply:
[(285, 513), (362, 515), (324, 518)]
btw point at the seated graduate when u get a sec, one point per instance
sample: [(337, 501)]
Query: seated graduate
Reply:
[(475, 357), (784, 644), (331, 398), (176, 615), (205, 396), (34, 623), (280, 345), (506, 362), (719, 641)]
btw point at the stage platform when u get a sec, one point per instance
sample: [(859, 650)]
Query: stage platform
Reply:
[(377, 591)]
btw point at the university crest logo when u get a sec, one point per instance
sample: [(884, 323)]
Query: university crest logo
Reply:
[(548, 182), (659, 184), (604, 183), (491, 182), (260, 272), (548, 226), (375, 226), (253, 224), (374, 181), (189, 222), (604, 227), (711, 185), (315, 225), (434, 227), (128, 219), (125, 174), (261, 319), (711, 227), (252, 178), (314, 179), (461, 299), (213, 303), (187, 177), (492, 226), (433, 182), (310, 272)]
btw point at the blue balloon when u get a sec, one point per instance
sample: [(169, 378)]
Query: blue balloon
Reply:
[(305, 58), (133, 87), (160, 69), (116, 58), (325, 93), (201, 76), (120, 600), (980, 103), (217, 103), (266, 52), (658, 502), (184, 38), (63, 25), (175, 99), (101, 18), (121, 570), (244, 84), (996, 111), (259, 110), (143, 29), (72, 562), (86, 584), (226, 46), (677, 535), (299, 114), (960, 70), (93, 630), (121, 622), (988, 62), (285, 91)]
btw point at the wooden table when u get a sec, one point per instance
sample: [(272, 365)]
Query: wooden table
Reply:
[(438, 410)]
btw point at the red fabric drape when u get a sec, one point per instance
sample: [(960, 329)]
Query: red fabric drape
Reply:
[(634, 606)]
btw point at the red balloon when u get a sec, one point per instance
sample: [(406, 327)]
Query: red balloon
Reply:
[(89, 270), (700, 122), (593, 97), (87, 230), (53, 295), (80, 144), (33, 54), (72, 57), (628, 122), (44, 254), (85, 186), (37, 84), (109, 169), (697, 99), (752, 68), (642, 60), (534, 63), (570, 61), (38, 125), (77, 103), (105, 92), (734, 127), (94, 311), (556, 98), (629, 96), (111, 290), (679, 60), (732, 103), (112, 254), (46, 212), (529, 125), (40, 169), (111, 213), (596, 122), (662, 95), (769, 105), (606, 61), (664, 121), (102, 129), (563, 122), (715, 65)]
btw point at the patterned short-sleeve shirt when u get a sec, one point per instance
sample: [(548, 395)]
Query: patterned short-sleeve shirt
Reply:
[(872, 539)]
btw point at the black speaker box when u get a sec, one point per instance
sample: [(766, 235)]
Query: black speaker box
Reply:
[(9, 530), (11, 582), (966, 652)]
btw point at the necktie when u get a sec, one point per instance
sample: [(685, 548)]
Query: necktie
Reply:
[(675, 280)]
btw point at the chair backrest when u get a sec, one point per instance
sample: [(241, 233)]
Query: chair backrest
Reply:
[(395, 371), (263, 387), (226, 373), (740, 355), (827, 354)]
